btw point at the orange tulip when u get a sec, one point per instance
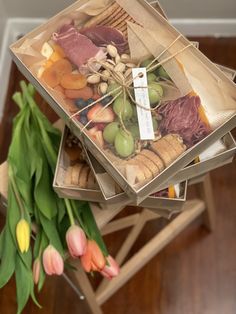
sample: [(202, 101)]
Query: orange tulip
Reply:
[(93, 259)]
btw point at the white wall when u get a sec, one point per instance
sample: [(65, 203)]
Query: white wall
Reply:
[(199, 8), (35, 8), (3, 17), (173, 8)]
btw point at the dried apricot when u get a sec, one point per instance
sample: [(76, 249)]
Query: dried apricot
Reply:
[(59, 50), (60, 89), (52, 75), (84, 93), (55, 57), (73, 81)]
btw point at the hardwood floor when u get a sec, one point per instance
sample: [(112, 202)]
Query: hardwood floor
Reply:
[(195, 274)]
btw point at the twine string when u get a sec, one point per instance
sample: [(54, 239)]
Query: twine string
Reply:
[(124, 84)]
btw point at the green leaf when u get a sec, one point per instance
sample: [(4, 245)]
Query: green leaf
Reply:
[(44, 194), (23, 284), (37, 244), (32, 293), (42, 278), (7, 265), (1, 242)]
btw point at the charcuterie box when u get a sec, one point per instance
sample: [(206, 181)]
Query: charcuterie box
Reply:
[(77, 176), (179, 101)]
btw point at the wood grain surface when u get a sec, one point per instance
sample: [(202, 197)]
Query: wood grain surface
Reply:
[(195, 274)]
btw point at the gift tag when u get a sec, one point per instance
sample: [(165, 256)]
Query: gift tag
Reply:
[(141, 97)]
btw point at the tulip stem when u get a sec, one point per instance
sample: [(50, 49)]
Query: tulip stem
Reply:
[(15, 190), (69, 211)]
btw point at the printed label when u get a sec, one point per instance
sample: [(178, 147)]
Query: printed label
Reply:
[(141, 97)]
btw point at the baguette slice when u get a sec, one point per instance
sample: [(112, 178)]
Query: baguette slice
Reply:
[(76, 173), (91, 183), (148, 163), (176, 142), (83, 177), (68, 176), (154, 158), (139, 172), (161, 148)]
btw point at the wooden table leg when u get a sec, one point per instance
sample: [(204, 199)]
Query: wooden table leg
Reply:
[(80, 279), (206, 194)]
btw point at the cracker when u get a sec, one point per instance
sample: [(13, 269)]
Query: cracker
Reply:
[(99, 18)]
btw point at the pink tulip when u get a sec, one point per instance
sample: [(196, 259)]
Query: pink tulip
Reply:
[(111, 270), (36, 270), (52, 261), (76, 241)]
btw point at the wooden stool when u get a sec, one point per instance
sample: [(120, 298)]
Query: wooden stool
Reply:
[(190, 211)]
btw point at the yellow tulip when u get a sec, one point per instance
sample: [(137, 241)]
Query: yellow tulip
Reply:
[(23, 235)]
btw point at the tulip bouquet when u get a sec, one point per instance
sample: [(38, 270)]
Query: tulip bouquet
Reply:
[(58, 227)]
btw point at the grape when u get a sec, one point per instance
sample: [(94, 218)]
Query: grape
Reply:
[(155, 92), (112, 87), (154, 123), (80, 103), (162, 72), (125, 109), (145, 63), (90, 101), (134, 129), (110, 131), (124, 143), (151, 77), (83, 119), (106, 100)]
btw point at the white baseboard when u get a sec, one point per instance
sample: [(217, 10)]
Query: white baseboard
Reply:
[(18, 26), (13, 29), (206, 27)]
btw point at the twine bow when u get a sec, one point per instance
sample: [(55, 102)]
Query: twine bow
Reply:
[(125, 83)]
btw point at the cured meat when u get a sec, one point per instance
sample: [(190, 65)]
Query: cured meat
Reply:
[(77, 47), (104, 35), (182, 116)]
